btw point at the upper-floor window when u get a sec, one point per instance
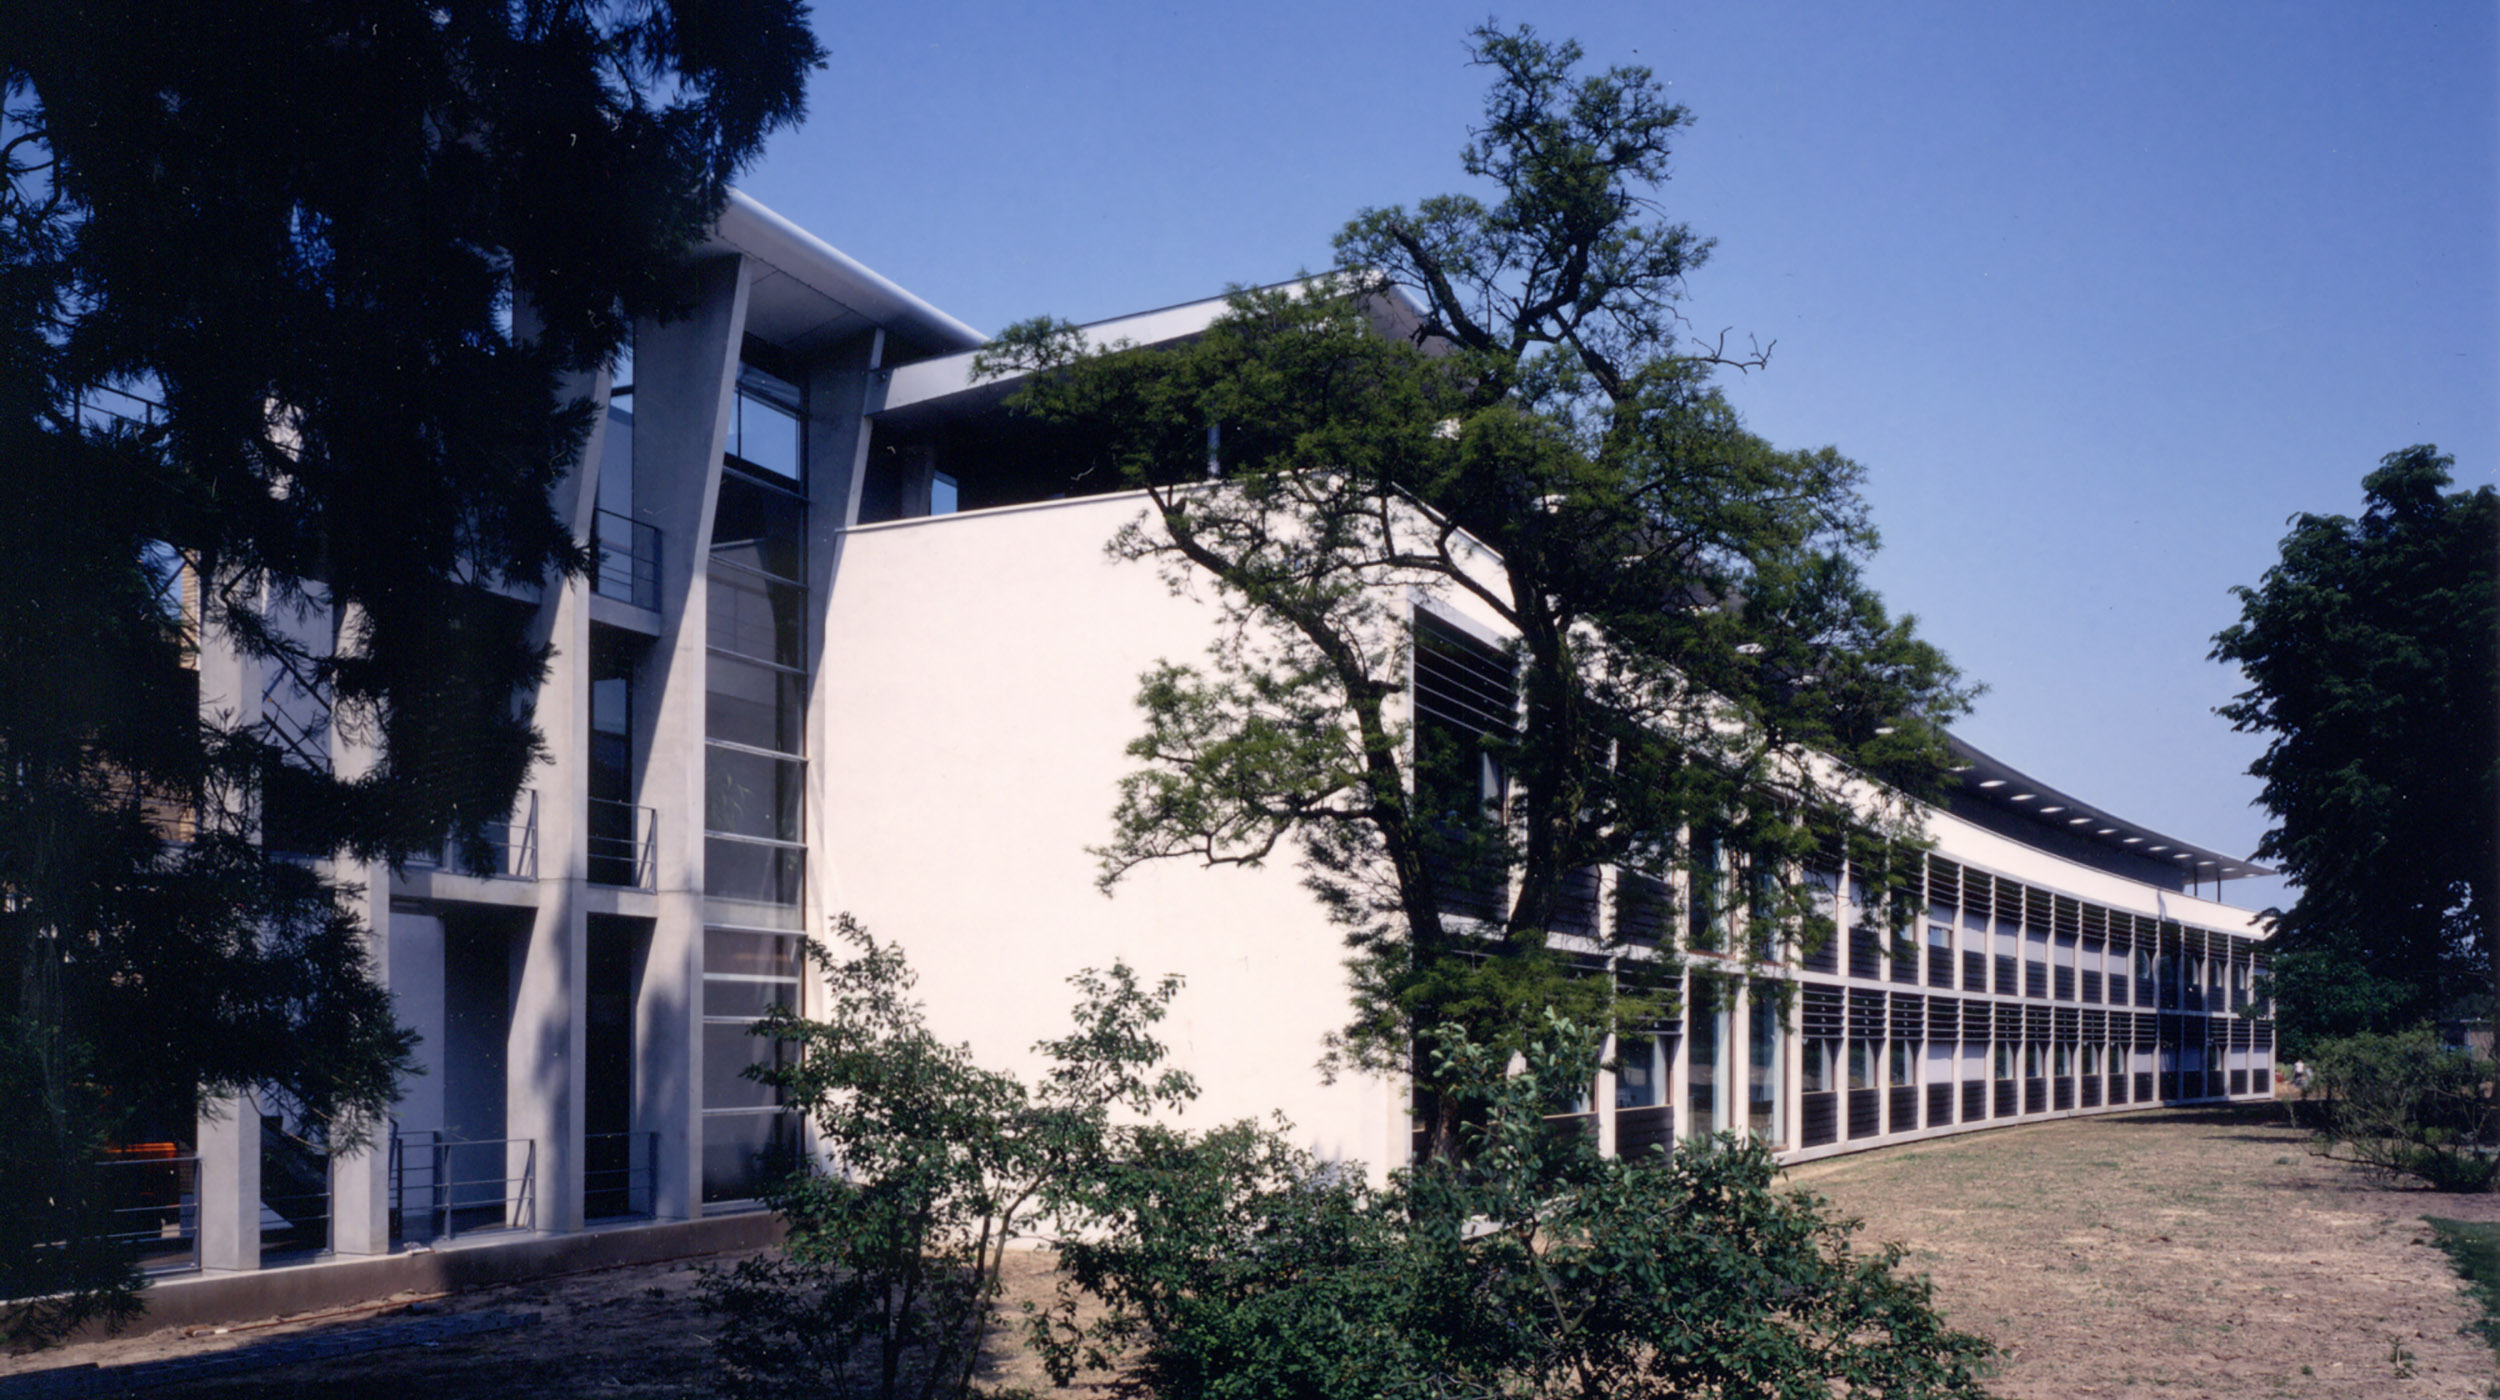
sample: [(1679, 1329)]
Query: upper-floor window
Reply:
[(767, 425)]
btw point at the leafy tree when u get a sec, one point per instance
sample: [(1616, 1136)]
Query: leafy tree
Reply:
[(2372, 655), (890, 1276), (1491, 401), (2405, 1105), (1232, 1265), (287, 294)]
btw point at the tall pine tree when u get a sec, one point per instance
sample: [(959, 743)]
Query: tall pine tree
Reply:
[(261, 267)]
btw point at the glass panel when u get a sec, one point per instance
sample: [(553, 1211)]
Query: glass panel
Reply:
[(751, 617), (942, 494), (724, 996), (1637, 1081), (751, 874), (742, 1150), (760, 527), (750, 954), (753, 705), (764, 434), (748, 794), (727, 1052), (1764, 1046)]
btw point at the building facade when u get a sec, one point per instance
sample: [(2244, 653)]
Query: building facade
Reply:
[(854, 644)]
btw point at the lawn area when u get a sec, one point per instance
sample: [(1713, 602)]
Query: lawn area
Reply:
[(2177, 1253), (2168, 1253)]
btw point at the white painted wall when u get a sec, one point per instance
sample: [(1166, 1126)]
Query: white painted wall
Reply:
[(980, 673)]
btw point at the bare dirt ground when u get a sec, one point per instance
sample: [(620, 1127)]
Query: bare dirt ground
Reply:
[(2177, 1253), (2167, 1254)]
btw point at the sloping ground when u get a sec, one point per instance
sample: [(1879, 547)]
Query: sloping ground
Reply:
[(2164, 1254), (2177, 1253)]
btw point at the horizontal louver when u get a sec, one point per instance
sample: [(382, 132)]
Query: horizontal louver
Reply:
[(1866, 1015), (1818, 1012), (1909, 1016), (1461, 681), (1976, 1016)]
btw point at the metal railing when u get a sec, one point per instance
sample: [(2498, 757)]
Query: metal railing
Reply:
[(620, 1173), (628, 553), (156, 1188), (294, 1194), (512, 845), (442, 1186), (623, 845)]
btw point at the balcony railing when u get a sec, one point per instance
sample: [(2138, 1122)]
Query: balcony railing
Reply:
[(628, 553), (155, 1190), (619, 1174), (623, 846), (442, 1186), (512, 846)]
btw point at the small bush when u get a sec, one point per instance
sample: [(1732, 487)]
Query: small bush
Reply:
[(2404, 1105)]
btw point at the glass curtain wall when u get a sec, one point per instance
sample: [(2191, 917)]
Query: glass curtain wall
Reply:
[(755, 771)]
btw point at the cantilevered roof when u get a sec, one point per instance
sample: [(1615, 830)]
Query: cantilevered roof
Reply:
[(1987, 780), (808, 293)]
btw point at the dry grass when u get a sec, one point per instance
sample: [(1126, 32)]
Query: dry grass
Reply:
[(2167, 1254)]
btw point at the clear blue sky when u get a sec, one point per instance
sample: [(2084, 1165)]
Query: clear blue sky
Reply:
[(2101, 295)]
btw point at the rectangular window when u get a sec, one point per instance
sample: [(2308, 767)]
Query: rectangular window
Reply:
[(765, 424), (1765, 1046), (1640, 1072)]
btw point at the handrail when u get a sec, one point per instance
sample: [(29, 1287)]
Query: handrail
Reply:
[(165, 1212), (623, 845), (448, 1194), (513, 841), (628, 559)]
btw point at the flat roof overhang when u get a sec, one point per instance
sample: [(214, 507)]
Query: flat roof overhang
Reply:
[(808, 293), (1986, 779)]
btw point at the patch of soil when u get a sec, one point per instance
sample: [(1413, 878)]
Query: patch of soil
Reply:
[(2169, 1253)]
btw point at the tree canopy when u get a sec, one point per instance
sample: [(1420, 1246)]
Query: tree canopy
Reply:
[(1491, 403), (2372, 655), (287, 297)]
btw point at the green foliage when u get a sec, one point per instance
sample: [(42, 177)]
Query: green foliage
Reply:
[(261, 271), (1232, 1265), (2406, 1106), (935, 1165), (2473, 1246), (2372, 655), (1488, 404)]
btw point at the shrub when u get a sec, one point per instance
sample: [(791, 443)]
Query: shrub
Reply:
[(1233, 1265), (2403, 1105), (934, 1165)]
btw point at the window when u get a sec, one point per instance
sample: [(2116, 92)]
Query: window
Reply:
[(1765, 1119), (1463, 698), (765, 425), (1815, 1068), (1640, 1072), (1900, 1071)]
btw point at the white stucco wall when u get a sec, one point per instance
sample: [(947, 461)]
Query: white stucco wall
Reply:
[(980, 673)]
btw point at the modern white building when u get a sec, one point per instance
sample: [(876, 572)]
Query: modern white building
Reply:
[(856, 645)]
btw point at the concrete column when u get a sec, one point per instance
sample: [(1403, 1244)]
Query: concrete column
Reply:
[(686, 375), (228, 1132), (544, 1060), (360, 1185), (229, 1206)]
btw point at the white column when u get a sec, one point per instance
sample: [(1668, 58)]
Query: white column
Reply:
[(229, 1205), (360, 1186)]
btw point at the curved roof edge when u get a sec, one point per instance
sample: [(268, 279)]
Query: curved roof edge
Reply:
[(749, 227), (1988, 781)]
